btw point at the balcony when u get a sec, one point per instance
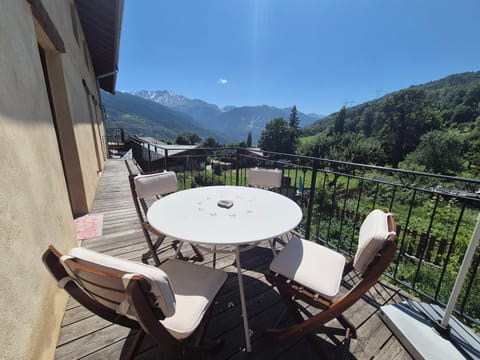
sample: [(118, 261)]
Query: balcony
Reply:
[(435, 214), (434, 225)]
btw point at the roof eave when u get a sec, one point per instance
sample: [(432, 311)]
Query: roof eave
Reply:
[(102, 22)]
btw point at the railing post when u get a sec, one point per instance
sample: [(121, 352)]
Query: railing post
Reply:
[(149, 158), (442, 326), (237, 167), (166, 159), (308, 223)]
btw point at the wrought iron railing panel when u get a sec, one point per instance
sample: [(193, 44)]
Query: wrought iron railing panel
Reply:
[(115, 136)]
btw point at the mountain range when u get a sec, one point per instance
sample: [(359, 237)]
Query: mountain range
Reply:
[(138, 116), (162, 114)]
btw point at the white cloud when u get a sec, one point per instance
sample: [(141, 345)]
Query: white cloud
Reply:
[(222, 81)]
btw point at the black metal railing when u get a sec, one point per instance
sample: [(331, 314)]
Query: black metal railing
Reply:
[(115, 136), (435, 214)]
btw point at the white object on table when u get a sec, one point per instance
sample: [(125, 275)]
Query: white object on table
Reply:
[(194, 215)]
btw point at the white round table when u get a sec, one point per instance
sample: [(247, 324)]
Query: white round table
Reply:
[(194, 215)]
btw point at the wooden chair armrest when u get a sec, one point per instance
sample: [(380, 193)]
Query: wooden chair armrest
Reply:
[(154, 231)]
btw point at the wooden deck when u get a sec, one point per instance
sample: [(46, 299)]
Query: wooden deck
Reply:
[(86, 336)]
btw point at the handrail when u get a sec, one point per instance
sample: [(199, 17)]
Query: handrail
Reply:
[(330, 161)]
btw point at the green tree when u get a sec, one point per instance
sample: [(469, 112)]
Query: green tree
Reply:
[(187, 138), (472, 97), (294, 124), (293, 120), (406, 119), (439, 152), (320, 147), (339, 125), (366, 121), (472, 148), (249, 139), (351, 147), (278, 136), (356, 148), (210, 142), (463, 113)]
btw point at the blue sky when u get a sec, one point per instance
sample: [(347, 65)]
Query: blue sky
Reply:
[(316, 54)]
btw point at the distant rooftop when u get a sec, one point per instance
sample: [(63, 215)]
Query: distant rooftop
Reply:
[(172, 149)]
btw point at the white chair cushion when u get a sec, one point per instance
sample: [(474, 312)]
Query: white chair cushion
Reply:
[(312, 265), (195, 288), (156, 184), (160, 286), (268, 178), (373, 234)]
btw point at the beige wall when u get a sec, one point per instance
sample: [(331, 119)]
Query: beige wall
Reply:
[(34, 202), (76, 69)]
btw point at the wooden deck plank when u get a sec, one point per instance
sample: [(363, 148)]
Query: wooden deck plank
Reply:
[(92, 342), (86, 336), (392, 350)]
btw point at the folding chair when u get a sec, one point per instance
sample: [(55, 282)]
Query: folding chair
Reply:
[(153, 186), (265, 178), (268, 179), (170, 303), (312, 273)]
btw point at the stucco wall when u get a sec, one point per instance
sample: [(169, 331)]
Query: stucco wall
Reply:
[(76, 71), (34, 202)]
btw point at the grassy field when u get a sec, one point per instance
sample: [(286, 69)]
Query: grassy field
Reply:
[(307, 139)]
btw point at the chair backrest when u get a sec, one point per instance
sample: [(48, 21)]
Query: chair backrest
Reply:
[(155, 184), (377, 228), (106, 285), (265, 178), (150, 185)]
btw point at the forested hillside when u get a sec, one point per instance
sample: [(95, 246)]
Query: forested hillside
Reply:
[(433, 127)]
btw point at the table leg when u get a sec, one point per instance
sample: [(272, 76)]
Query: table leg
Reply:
[(242, 300), (179, 247), (214, 256), (272, 246)]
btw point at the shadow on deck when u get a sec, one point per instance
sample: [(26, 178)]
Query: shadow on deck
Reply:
[(86, 336)]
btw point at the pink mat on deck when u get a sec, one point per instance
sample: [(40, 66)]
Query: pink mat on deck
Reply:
[(89, 226)]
